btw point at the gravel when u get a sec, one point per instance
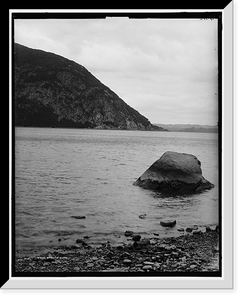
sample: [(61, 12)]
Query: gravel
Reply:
[(186, 253)]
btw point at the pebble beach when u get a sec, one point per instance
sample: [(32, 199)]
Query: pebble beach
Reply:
[(194, 252)]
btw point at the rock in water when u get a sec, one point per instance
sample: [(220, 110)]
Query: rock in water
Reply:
[(174, 174), (168, 223)]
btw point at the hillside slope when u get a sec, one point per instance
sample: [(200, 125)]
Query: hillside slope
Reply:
[(52, 91)]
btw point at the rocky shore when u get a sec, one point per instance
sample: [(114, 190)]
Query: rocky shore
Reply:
[(195, 252)]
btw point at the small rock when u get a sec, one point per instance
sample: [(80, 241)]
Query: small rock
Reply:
[(86, 237), (208, 229), (194, 227), (181, 229), (193, 266), (94, 258), (153, 242), (74, 247), (149, 263), (127, 261), (79, 241), (139, 265), (162, 246), (59, 240), (168, 223), (188, 229), (157, 234), (136, 237), (197, 232), (167, 248), (217, 228), (142, 243), (90, 265), (76, 269), (147, 268), (142, 216), (129, 233), (78, 217)]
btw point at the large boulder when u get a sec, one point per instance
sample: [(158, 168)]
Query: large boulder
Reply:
[(174, 174)]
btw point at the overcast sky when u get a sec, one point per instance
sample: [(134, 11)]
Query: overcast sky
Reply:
[(167, 69)]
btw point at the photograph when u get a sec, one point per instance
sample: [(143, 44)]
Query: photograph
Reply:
[(121, 172), (117, 155)]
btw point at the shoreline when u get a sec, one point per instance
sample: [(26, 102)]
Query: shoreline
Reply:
[(193, 252)]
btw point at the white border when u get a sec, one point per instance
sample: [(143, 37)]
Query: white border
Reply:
[(224, 282)]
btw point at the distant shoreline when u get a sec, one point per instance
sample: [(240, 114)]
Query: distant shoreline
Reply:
[(115, 129), (190, 128)]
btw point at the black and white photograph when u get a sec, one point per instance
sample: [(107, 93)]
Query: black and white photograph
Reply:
[(117, 128)]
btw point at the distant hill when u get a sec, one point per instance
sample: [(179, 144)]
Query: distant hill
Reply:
[(52, 91), (189, 127)]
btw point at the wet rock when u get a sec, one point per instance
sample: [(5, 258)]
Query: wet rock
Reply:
[(147, 268), (143, 243), (193, 266), (197, 232), (136, 237), (80, 241), (90, 265), (129, 233), (142, 216), (74, 247), (168, 223), (127, 261), (174, 173), (170, 248), (78, 217), (181, 229), (148, 263)]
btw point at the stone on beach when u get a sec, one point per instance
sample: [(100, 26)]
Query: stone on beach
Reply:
[(186, 253), (147, 267), (136, 237), (174, 173)]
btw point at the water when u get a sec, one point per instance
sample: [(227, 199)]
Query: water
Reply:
[(60, 173)]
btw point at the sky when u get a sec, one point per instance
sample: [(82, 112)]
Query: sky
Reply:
[(167, 69)]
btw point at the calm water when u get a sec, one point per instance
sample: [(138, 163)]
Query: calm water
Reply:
[(62, 173)]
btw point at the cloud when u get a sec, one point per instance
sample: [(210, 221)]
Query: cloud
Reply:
[(165, 68)]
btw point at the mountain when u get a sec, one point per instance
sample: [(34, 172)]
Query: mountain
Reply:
[(189, 128), (52, 91)]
